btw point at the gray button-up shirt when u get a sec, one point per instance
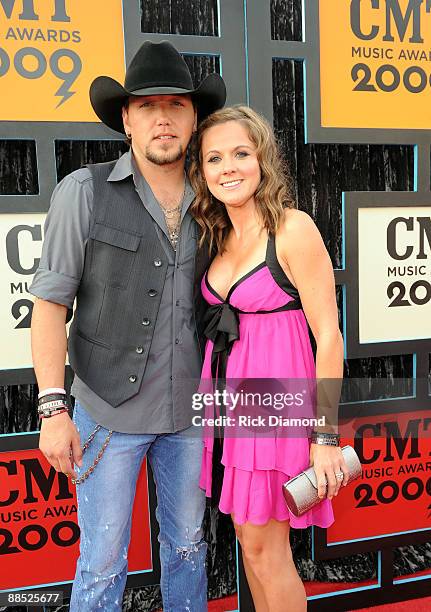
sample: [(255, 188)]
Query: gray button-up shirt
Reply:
[(174, 359)]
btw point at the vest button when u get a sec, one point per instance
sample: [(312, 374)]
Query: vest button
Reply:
[(133, 378), (139, 350), (152, 292), (157, 263), (146, 322)]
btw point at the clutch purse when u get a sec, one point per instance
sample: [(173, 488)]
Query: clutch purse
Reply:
[(300, 492)]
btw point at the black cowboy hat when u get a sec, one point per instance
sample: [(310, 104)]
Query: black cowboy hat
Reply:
[(157, 68)]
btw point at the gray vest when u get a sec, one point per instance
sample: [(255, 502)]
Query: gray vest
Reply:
[(119, 295)]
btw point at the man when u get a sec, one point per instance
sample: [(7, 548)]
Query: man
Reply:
[(120, 239)]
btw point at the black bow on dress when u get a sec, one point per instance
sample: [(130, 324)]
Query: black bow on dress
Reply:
[(222, 328)]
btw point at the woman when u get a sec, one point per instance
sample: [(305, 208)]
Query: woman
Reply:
[(271, 275)]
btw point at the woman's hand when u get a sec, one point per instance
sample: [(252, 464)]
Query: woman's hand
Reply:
[(327, 462)]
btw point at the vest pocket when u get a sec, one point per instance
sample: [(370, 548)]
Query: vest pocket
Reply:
[(113, 254), (92, 340)]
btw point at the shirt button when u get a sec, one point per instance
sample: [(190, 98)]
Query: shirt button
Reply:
[(157, 263), (146, 322), (177, 341), (133, 378), (139, 350), (178, 265), (152, 292)]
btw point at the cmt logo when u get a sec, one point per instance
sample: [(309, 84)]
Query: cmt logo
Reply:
[(400, 232), (396, 232), (26, 482), (22, 308), (28, 12), (13, 250), (32, 472), (394, 19), (405, 446)]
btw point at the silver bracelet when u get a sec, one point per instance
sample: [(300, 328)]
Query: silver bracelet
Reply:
[(53, 404), (45, 410), (325, 441), (325, 438)]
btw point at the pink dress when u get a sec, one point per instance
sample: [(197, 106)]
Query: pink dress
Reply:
[(272, 345)]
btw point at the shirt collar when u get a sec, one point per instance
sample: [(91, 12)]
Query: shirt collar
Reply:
[(126, 166), (123, 168)]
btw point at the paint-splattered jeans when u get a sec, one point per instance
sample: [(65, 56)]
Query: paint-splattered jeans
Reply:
[(105, 502)]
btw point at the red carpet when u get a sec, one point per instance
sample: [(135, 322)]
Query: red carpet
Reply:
[(418, 605), (422, 604), (223, 605)]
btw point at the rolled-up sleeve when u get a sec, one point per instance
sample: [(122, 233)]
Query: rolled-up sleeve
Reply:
[(66, 233)]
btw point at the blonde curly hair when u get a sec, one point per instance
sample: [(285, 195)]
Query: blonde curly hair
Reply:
[(273, 193)]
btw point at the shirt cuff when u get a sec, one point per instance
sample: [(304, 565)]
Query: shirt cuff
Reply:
[(54, 287)]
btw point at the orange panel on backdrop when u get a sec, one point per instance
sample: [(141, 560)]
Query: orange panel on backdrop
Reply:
[(39, 535), (51, 50), (375, 64)]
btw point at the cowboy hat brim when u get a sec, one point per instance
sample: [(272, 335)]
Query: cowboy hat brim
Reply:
[(107, 98)]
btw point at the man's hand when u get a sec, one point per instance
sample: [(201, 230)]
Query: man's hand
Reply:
[(60, 443), (328, 461)]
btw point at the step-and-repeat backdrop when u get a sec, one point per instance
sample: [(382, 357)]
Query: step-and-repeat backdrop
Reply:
[(364, 71)]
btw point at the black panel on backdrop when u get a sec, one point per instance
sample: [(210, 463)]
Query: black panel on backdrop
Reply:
[(198, 18), (201, 65), (73, 154), (286, 20), (18, 167)]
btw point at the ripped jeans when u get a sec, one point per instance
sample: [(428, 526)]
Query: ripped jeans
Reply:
[(105, 502)]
